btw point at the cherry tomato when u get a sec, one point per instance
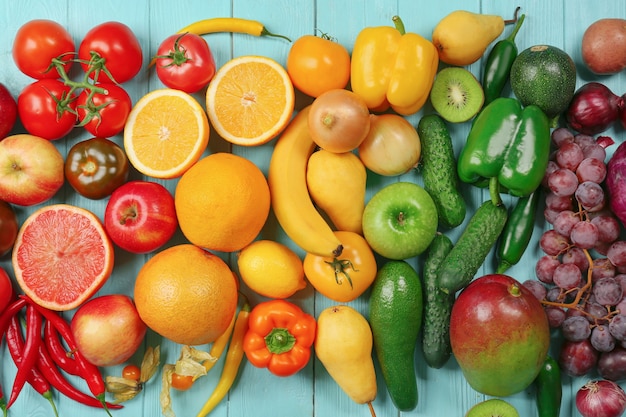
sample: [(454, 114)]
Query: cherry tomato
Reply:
[(37, 42), (131, 372), (8, 111), (181, 382), (6, 290), (96, 167), (104, 114), (317, 64), (39, 109), (347, 276), (118, 46), (185, 62), (8, 227)]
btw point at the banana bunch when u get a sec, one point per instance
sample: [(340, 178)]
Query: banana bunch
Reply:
[(297, 182)]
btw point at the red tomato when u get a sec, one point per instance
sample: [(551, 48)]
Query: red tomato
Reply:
[(8, 111), (40, 113), (185, 62), (8, 227), (6, 290), (37, 42), (118, 46), (104, 114)]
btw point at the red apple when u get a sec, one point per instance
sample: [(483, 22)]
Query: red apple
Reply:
[(31, 170), (140, 216), (499, 335), (108, 329), (8, 111)]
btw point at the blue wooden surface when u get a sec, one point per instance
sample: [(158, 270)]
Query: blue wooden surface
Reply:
[(310, 392)]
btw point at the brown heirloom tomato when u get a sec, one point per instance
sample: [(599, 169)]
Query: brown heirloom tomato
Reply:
[(96, 167), (8, 228)]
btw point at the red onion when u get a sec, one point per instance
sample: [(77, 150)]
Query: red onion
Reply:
[(601, 398), (593, 109)]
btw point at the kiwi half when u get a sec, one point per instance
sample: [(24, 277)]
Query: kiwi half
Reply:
[(494, 407), (456, 94)]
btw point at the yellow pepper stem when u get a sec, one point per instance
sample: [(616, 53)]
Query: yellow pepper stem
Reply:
[(399, 24)]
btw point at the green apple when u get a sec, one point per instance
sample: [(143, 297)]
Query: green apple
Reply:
[(400, 220)]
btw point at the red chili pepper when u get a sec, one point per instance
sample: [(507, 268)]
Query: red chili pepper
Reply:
[(16, 346), (61, 357), (50, 371), (89, 372), (8, 313)]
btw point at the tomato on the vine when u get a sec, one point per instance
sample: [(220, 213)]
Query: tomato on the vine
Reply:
[(344, 277), (8, 228), (46, 109), (114, 45), (185, 62), (181, 382), (37, 42), (103, 113), (132, 372), (317, 64), (96, 167)]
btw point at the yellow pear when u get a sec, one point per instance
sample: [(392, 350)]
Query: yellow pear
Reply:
[(337, 184), (462, 37), (343, 344)]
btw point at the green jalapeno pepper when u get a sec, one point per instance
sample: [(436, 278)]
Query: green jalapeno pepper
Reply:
[(509, 143), (549, 389), (498, 65), (517, 231)]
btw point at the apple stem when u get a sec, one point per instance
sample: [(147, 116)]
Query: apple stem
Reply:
[(130, 213)]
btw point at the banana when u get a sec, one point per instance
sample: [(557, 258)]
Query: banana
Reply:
[(291, 200)]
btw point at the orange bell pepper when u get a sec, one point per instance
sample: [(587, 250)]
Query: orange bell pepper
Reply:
[(392, 68), (279, 337)]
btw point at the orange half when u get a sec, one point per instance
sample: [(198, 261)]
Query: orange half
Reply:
[(62, 256), (166, 133), (250, 100)]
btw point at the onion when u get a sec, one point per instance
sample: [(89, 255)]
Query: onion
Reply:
[(392, 146), (593, 109), (616, 182), (601, 398)]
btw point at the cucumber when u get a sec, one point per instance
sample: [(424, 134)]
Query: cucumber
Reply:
[(470, 251), (438, 168), (437, 306), (395, 316)]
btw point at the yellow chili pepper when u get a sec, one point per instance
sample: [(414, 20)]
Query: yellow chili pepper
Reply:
[(234, 356), (393, 68), (229, 24), (219, 345)]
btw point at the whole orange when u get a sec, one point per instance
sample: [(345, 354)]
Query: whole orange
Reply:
[(186, 294), (222, 202)]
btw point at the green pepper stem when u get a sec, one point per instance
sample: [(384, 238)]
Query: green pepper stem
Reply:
[(279, 340), (494, 191), (265, 32), (518, 25), (399, 24)]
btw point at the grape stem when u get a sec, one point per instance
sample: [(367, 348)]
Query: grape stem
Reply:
[(581, 291)]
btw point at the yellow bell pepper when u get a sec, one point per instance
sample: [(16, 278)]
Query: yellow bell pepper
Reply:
[(393, 68)]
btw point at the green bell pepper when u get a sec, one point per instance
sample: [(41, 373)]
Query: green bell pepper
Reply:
[(509, 143)]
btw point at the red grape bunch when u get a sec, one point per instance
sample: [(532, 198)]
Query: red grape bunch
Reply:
[(581, 278)]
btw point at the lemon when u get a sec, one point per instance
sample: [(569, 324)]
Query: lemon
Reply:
[(271, 269)]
